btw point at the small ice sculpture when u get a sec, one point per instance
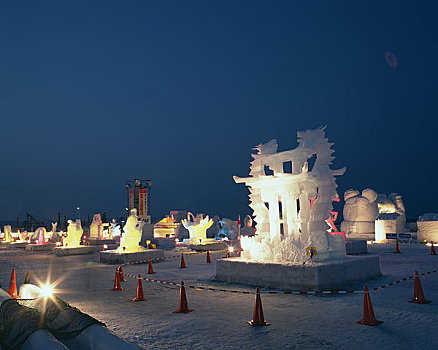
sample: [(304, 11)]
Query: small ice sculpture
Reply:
[(228, 228), (115, 229), (247, 229), (7, 233), (131, 237), (41, 233), (291, 194), (74, 234), (197, 227), (22, 235), (96, 227)]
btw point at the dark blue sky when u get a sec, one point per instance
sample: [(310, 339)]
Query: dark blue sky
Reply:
[(93, 93)]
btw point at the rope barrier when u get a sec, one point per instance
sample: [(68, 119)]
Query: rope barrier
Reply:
[(293, 292), (163, 258)]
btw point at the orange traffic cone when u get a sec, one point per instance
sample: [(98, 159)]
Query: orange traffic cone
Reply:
[(183, 263), (27, 279), (397, 249), (258, 319), (418, 292), (208, 258), (183, 307), (12, 291), (368, 313), (122, 276), (432, 249), (117, 285), (228, 254), (139, 295), (150, 269)]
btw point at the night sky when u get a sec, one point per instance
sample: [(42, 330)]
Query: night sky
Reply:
[(93, 93)]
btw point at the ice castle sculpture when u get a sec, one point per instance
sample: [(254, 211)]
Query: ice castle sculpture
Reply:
[(129, 242), (74, 234), (291, 194), (197, 227)]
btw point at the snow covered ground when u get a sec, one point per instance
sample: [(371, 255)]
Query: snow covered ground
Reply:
[(219, 319)]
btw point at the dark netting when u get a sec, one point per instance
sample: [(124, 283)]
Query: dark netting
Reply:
[(20, 318), (17, 322), (61, 319)]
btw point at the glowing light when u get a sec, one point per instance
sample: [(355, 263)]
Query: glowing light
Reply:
[(46, 291), (58, 243), (176, 240), (105, 246), (230, 249)]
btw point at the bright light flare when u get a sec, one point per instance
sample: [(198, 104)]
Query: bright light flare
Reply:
[(230, 249), (46, 291)]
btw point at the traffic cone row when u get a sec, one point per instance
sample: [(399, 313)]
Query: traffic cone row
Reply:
[(183, 306), (418, 292), (258, 319), (183, 263), (12, 290), (117, 285), (121, 275), (150, 269), (432, 249), (368, 313), (397, 248), (139, 296)]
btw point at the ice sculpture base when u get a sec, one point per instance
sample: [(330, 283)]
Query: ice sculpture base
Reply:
[(333, 274), (18, 244), (356, 246), (40, 247), (66, 251), (371, 236), (211, 246), (115, 257), (92, 241)]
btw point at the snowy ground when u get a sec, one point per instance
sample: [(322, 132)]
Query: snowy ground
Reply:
[(219, 319)]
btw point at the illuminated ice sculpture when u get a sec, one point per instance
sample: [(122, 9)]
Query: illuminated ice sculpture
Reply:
[(115, 229), (7, 233), (131, 237), (291, 194), (197, 227), (74, 234)]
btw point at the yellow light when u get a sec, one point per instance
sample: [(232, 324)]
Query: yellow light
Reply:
[(46, 291), (230, 249), (58, 243), (105, 246)]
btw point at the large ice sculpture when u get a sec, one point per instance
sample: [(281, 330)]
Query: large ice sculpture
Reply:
[(74, 234), (291, 195), (197, 227), (131, 237), (371, 216), (360, 212)]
